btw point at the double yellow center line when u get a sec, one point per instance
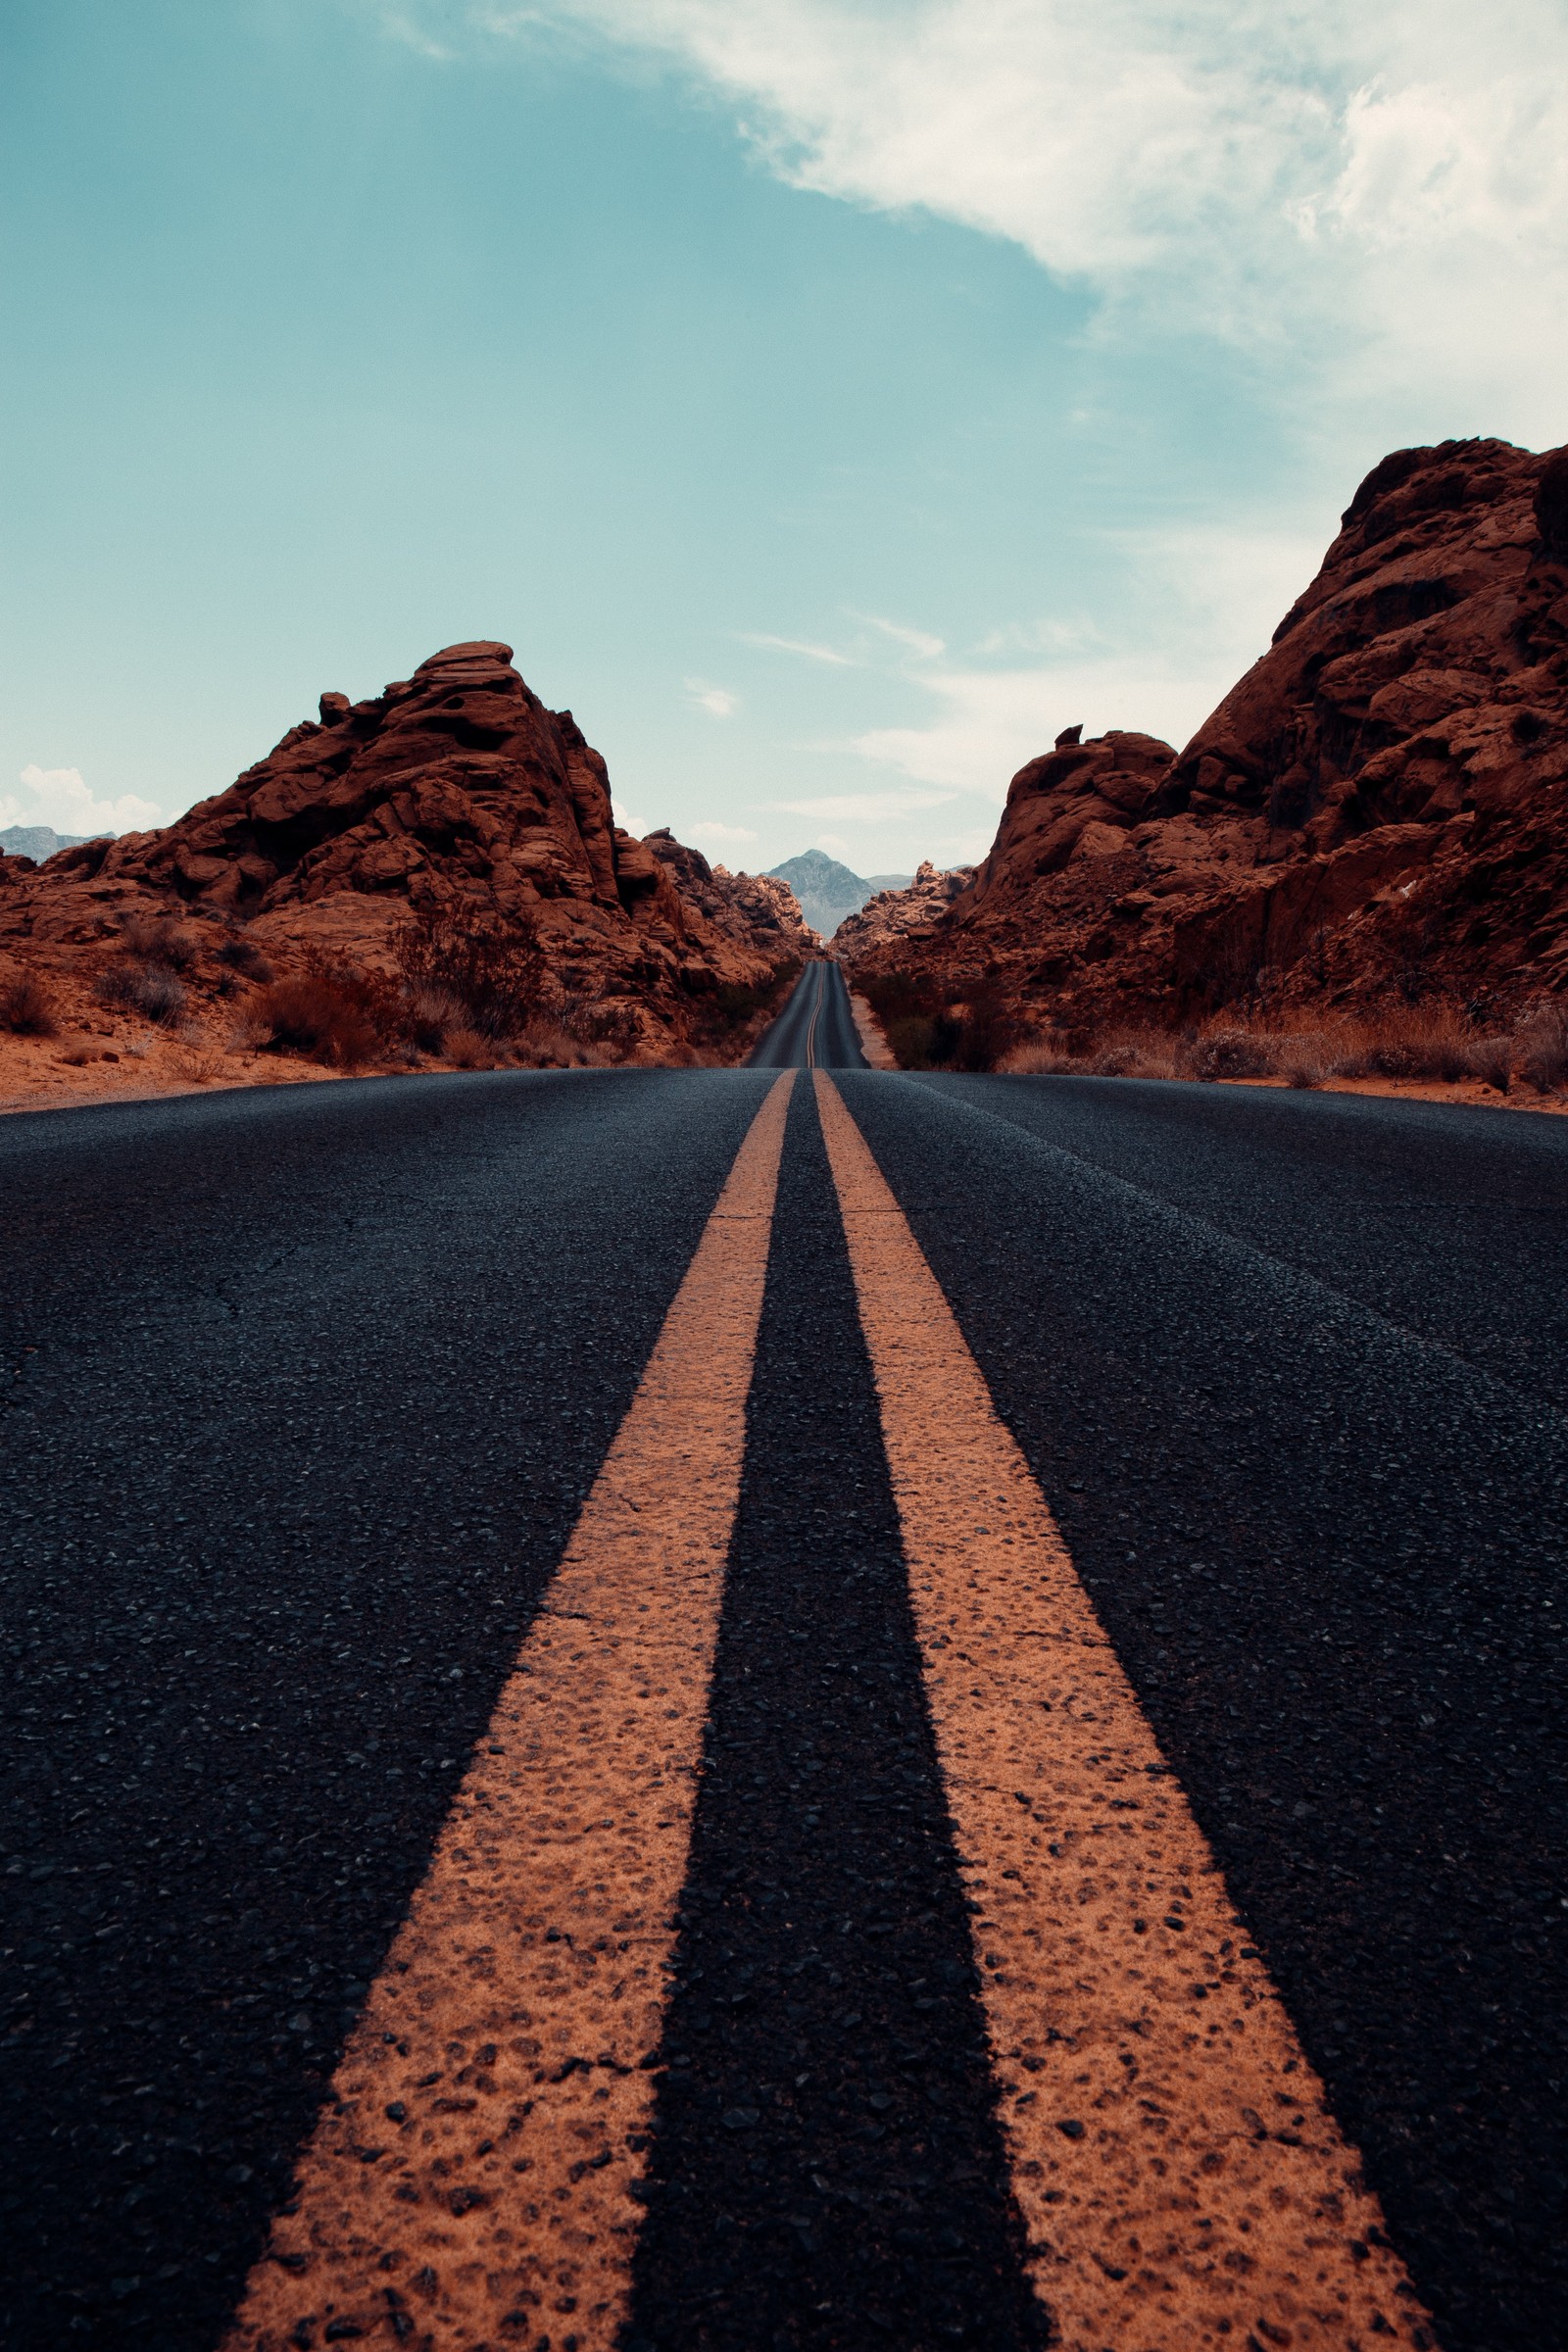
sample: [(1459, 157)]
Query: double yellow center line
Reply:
[(472, 2177)]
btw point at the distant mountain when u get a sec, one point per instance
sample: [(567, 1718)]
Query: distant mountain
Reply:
[(827, 890), (41, 841)]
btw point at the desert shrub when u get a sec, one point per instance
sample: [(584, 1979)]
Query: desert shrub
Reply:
[(432, 1014), (985, 1030), (922, 1041), (1231, 1052), (1492, 1062), (1543, 1051), (489, 968), (1131, 1053), (158, 941), (238, 955), (977, 1036), (897, 995), (26, 1009), (1118, 1060), (1303, 1064), (468, 1051), (151, 990), (1427, 1041), (330, 1015)]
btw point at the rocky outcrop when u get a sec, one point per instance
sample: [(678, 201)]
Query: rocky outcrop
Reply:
[(452, 791), (1378, 808), (752, 908), (900, 915)]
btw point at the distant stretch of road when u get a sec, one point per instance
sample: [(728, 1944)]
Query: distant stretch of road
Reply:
[(815, 1029), (734, 1709)]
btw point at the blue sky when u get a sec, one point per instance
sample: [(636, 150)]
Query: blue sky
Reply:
[(828, 400)]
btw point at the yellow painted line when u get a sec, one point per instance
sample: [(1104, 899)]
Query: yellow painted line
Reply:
[(811, 1029), (468, 2180), (1180, 2179)]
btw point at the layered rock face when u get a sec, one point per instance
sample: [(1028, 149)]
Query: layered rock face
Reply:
[(754, 909), (1378, 808), (899, 914), (453, 788)]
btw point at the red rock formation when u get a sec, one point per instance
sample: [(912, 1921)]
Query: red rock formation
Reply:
[(752, 908), (899, 914), (1378, 808), (455, 788)]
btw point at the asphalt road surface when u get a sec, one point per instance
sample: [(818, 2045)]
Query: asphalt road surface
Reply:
[(308, 1390), (815, 1029)]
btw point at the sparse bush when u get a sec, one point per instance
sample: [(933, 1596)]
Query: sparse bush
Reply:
[(468, 1051), (1232, 1053), (897, 995), (153, 991), (1542, 1050), (432, 1014), (1427, 1041), (1492, 1062), (489, 968), (26, 1009), (156, 940), (985, 1030), (328, 1015), (239, 955), (913, 1037), (1039, 1060)]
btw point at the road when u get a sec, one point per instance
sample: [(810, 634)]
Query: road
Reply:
[(815, 1029), (453, 1575)]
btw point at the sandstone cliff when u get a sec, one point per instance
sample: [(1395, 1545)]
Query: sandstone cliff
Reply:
[(453, 793), (1377, 812), (899, 914), (753, 909)]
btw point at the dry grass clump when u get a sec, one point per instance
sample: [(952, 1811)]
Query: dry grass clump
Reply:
[(151, 990), (158, 941), (1542, 1050), (1412, 1043), (145, 978), (26, 1009), (238, 955), (1230, 1052), (467, 1050)]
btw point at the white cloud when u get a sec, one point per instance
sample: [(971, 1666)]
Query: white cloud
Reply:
[(637, 825), (794, 644), (711, 830), (1197, 610), (1377, 198), (716, 700), (918, 641), (62, 798)]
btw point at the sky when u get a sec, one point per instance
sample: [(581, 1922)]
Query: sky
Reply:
[(829, 400)]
